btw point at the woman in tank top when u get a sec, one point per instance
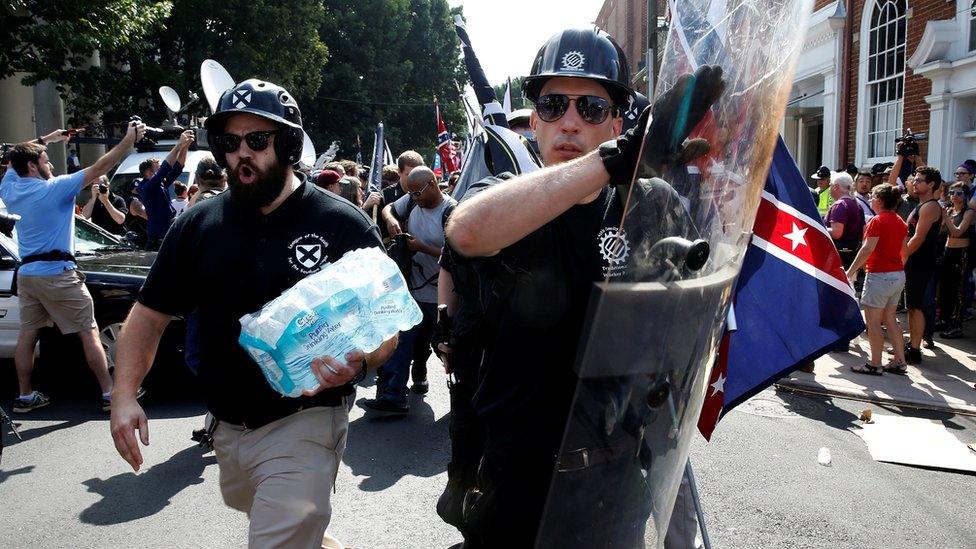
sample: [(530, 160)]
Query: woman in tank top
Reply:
[(958, 221)]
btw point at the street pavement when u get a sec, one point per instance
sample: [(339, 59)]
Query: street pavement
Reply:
[(760, 482), (944, 381)]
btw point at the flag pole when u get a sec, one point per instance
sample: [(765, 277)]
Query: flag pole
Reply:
[(698, 507)]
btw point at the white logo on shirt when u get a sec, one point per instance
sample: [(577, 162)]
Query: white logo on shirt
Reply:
[(615, 248), (307, 253)]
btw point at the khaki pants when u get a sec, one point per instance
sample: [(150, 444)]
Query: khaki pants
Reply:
[(282, 474)]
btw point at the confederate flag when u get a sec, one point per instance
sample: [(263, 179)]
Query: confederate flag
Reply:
[(445, 147)]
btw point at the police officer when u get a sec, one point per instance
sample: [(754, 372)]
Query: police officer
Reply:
[(278, 456), (544, 235)]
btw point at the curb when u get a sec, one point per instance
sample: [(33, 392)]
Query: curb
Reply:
[(812, 387)]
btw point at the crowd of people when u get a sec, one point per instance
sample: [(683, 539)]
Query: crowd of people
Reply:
[(904, 237), (502, 276)]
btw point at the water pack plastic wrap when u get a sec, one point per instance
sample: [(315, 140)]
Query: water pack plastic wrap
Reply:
[(357, 302)]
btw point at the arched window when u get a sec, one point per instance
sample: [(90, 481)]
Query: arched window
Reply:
[(885, 85)]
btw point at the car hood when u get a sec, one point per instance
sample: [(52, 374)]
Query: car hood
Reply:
[(128, 263)]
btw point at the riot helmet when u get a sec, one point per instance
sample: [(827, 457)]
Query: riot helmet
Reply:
[(262, 99), (586, 52)]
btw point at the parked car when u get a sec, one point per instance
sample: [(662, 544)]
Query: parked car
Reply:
[(114, 272)]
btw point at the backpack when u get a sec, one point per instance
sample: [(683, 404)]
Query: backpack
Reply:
[(402, 255)]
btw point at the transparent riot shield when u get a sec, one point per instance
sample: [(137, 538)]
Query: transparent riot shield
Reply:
[(654, 325)]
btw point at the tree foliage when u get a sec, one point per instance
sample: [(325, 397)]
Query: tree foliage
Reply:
[(56, 39), (518, 100), (389, 59), (349, 63)]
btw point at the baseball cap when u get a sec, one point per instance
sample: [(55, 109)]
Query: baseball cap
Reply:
[(328, 177), (822, 173)]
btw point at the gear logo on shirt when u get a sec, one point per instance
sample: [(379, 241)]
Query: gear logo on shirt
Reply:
[(615, 248), (307, 253)]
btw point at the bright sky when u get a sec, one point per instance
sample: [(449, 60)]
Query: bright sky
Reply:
[(506, 34)]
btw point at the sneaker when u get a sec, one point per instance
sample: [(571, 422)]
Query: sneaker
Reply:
[(927, 342), (913, 356), (35, 400), (954, 333), (107, 400), (384, 405)]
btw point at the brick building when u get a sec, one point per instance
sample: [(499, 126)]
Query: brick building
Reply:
[(868, 70)]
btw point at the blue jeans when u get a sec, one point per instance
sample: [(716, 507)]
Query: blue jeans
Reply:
[(397, 368)]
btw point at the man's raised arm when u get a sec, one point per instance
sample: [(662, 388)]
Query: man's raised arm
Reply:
[(505, 213), (110, 159), (134, 357)]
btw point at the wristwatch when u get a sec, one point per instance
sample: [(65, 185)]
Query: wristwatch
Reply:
[(40, 140)]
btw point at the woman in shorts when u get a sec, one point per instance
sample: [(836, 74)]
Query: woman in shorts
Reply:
[(885, 239)]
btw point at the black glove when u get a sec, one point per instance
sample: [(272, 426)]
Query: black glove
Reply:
[(675, 114)]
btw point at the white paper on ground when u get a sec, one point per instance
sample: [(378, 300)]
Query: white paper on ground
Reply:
[(915, 441)]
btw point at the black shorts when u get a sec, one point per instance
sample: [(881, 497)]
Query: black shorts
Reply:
[(915, 284)]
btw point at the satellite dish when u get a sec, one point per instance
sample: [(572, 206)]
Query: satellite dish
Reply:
[(215, 80), (308, 151), (170, 98)]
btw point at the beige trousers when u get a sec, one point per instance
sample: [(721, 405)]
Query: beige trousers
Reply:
[(282, 475)]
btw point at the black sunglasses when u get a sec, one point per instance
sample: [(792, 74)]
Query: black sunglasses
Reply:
[(417, 194), (591, 108), (957, 193), (256, 141)]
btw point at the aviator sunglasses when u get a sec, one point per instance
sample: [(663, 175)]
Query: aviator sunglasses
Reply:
[(256, 141), (591, 108)]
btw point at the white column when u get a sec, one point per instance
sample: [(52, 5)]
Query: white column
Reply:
[(941, 133), (830, 119)]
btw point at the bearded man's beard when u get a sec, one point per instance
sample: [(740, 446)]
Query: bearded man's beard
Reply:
[(254, 188)]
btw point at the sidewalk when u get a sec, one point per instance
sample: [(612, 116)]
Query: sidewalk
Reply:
[(943, 381)]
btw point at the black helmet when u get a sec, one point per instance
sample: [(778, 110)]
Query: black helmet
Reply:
[(262, 99), (581, 53)]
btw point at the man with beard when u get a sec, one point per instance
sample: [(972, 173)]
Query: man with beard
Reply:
[(50, 287), (278, 456), (539, 238)]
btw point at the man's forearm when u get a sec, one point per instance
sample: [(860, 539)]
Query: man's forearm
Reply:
[(114, 213), (89, 207), (379, 357), (107, 161), (137, 348), (445, 291), (507, 212)]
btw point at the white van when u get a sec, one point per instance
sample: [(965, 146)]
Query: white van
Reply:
[(128, 171)]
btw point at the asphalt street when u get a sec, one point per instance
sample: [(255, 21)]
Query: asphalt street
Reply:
[(760, 482)]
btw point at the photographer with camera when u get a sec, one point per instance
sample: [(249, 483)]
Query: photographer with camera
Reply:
[(154, 193), (105, 208), (50, 287), (907, 159)]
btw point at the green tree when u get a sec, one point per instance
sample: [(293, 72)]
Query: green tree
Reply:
[(388, 60), (56, 39), (274, 40), (518, 100)]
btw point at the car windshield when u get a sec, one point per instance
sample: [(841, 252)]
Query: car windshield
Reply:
[(89, 240)]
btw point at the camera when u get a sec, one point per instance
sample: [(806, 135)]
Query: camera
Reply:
[(102, 188), (907, 144), (154, 134)]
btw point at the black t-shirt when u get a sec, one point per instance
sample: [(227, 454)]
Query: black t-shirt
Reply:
[(101, 217), (245, 259), (537, 300)]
